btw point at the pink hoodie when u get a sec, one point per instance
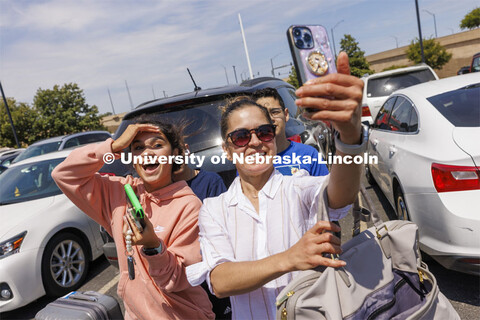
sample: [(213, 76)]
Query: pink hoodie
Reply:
[(160, 289)]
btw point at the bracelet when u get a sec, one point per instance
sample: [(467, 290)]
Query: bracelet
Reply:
[(152, 251), (352, 149)]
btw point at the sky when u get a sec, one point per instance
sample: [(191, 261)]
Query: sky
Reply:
[(102, 45)]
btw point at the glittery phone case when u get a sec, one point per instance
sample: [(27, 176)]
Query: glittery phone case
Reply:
[(312, 62)]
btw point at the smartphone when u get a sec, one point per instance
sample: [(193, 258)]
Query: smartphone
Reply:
[(134, 208), (311, 52)]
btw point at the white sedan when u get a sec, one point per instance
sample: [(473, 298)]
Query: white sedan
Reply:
[(46, 242), (427, 139)]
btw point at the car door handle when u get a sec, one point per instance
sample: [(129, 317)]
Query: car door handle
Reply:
[(374, 142), (392, 150)]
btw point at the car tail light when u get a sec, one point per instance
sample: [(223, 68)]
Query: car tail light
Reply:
[(455, 178), (295, 138), (107, 174), (470, 260), (366, 111)]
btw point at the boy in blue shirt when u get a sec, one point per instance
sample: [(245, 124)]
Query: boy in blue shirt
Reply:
[(270, 99)]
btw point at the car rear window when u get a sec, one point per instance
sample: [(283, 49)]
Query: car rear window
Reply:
[(203, 123), (459, 106), (380, 87)]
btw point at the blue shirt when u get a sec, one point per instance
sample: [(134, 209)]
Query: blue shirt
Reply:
[(207, 184), (288, 168)]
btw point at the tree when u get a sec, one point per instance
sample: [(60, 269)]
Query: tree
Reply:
[(292, 78), (393, 67), (358, 63), (436, 56), (471, 19), (63, 110), (23, 117)]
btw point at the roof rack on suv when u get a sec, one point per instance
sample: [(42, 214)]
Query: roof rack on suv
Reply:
[(252, 82)]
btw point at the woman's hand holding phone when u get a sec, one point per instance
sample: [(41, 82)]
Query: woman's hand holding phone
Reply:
[(337, 98)]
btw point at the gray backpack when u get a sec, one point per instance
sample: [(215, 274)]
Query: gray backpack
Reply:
[(384, 278)]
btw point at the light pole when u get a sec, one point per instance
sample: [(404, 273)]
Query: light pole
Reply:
[(333, 38), (9, 116), (419, 32), (396, 40), (245, 45), (434, 21), (235, 73), (271, 62), (226, 76)]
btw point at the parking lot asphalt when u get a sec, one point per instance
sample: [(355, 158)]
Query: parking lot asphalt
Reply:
[(462, 290)]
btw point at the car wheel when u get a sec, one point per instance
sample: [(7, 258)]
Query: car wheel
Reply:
[(401, 206), (368, 175), (64, 264)]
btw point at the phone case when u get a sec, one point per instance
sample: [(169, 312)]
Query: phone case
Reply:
[(313, 62), (139, 223)]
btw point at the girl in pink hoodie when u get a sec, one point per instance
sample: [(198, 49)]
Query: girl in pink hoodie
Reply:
[(169, 241)]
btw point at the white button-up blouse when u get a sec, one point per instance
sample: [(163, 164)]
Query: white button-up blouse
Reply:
[(231, 230)]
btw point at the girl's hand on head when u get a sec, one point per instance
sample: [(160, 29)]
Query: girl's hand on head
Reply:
[(337, 97), (130, 133)]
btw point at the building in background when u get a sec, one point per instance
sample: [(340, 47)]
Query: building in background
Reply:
[(462, 45)]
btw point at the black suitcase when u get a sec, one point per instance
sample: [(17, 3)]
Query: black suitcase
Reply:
[(88, 305)]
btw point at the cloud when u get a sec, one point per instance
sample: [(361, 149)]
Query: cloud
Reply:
[(100, 44)]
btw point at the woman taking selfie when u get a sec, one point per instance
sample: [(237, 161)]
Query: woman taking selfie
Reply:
[(155, 287), (254, 236)]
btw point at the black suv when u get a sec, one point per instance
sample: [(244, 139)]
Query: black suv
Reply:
[(201, 109)]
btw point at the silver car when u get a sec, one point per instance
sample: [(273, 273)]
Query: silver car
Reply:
[(62, 142)]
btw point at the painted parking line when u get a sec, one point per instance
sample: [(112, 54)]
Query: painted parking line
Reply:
[(109, 285)]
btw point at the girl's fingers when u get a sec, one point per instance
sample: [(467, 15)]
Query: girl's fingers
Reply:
[(146, 127), (136, 236)]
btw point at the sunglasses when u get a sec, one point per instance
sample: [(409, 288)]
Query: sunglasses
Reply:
[(241, 137)]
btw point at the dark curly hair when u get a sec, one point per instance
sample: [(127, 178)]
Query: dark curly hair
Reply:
[(269, 93), (172, 131)]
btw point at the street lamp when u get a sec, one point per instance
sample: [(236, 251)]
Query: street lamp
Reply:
[(271, 62), (396, 40), (434, 21), (333, 38), (235, 73), (226, 76), (419, 31)]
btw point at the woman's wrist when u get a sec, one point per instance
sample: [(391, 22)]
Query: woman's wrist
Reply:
[(356, 148), (352, 136)]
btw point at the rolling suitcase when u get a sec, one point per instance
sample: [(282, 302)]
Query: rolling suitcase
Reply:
[(88, 305)]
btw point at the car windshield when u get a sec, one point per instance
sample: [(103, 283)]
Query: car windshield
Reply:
[(380, 87), (38, 150), (28, 182), (203, 123), (460, 106)]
